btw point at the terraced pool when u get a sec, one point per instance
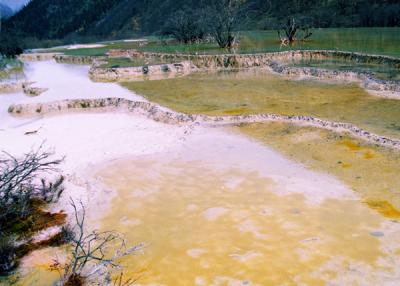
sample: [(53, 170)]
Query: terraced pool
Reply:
[(257, 91), (371, 171), (380, 71), (132, 62), (252, 204)]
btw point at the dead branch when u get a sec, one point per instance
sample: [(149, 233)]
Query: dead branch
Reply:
[(307, 33), (119, 281), (32, 132), (21, 192), (20, 184), (223, 17), (94, 249), (291, 29)]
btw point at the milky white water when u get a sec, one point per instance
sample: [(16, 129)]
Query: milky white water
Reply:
[(63, 81)]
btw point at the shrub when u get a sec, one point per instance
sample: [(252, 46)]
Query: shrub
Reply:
[(185, 26), (10, 45), (20, 185), (22, 191)]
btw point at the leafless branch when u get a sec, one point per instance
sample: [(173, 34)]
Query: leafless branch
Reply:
[(100, 250), (20, 184)]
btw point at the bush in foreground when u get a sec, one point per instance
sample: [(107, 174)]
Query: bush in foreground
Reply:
[(23, 193)]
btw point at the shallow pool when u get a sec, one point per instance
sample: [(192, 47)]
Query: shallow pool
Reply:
[(258, 91), (369, 170), (207, 220), (379, 71)]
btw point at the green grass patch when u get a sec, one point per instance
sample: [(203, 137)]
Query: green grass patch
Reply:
[(202, 48), (87, 52), (383, 41)]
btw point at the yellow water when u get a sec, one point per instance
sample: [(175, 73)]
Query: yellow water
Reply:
[(371, 171), (205, 225), (35, 269), (210, 214), (257, 91)]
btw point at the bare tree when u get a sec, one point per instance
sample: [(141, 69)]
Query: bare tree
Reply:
[(185, 26), (224, 16), (291, 30), (91, 252)]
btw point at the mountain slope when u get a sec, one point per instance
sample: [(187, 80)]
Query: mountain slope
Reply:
[(121, 17), (143, 16), (52, 19), (57, 19)]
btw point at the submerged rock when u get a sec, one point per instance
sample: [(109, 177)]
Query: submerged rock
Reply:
[(377, 233)]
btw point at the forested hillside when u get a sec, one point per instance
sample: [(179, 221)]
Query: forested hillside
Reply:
[(57, 19)]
